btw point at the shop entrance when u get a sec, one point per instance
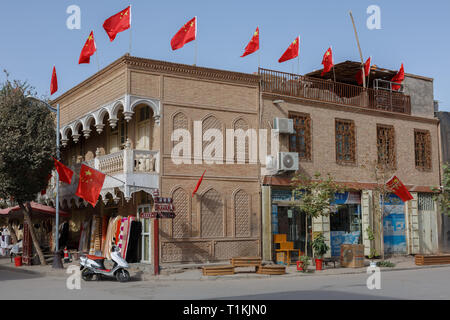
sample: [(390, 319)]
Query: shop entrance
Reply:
[(146, 235), (293, 223), (345, 227), (394, 232), (345, 222)]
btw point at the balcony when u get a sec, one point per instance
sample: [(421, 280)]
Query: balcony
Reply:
[(333, 92), (127, 171)]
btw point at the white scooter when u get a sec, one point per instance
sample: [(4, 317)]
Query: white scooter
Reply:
[(91, 266)]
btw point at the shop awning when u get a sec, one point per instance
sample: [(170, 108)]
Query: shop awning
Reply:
[(37, 209)]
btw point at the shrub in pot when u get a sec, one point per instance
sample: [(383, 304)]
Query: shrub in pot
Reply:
[(320, 249), (303, 263)]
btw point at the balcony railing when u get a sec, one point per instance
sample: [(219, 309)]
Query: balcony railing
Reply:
[(334, 92), (128, 161)]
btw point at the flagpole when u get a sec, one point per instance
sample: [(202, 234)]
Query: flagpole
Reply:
[(359, 48), (98, 62), (332, 61), (195, 54), (130, 32), (368, 76), (259, 61), (298, 56)]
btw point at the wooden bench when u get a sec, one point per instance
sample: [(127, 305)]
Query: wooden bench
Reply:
[(218, 270), (271, 269), (245, 261), (426, 260), (331, 260)]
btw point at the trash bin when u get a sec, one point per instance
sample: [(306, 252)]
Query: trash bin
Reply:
[(18, 261)]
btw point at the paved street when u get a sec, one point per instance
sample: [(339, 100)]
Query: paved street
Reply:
[(407, 284)]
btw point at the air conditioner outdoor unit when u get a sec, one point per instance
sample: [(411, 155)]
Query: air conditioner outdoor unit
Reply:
[(287, 161), (283, 125)]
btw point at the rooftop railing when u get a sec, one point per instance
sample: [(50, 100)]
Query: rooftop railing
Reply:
[(334, 92)]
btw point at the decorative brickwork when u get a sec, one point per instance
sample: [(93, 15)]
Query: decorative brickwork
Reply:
[(228, 249), (242, 214), (242, 125), (211, 215), (181, 226), (192, 251), (210, 122)]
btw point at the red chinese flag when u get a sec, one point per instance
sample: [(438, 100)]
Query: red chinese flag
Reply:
[(398, 78), (198, 184), (253, 45), (65, 173), (399, 189), (118, 23), (90, 184), (186, 34), (88, 50), (54, 82), (359, 76), (327, 61), (292, 51)]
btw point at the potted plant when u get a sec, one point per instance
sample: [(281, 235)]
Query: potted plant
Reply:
[(320, 249), (303, 263)]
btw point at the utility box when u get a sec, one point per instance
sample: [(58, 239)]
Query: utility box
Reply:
[(352, 255)]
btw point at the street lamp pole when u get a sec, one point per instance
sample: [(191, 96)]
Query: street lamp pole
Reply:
[(57, 258)]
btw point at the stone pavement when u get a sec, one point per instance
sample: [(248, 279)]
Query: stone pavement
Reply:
[(193, 272)]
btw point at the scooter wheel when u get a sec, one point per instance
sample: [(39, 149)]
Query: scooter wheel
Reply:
[(123, 275), (86, 275)]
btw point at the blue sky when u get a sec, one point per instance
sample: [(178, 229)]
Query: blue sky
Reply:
[(35, 37)]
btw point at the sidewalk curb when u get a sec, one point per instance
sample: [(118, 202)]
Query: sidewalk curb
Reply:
[(200, 277), (35, 272)]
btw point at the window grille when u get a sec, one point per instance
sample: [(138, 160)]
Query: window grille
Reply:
[(422, 143), (300, 141), (425, 202), (345, 141), (386, 146)]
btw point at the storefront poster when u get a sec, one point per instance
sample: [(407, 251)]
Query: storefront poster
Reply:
[(347, 198), (394, 226), (342, 237), (274, 219), (281, 195)]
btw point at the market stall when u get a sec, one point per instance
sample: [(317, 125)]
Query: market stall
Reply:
[(44, 224)]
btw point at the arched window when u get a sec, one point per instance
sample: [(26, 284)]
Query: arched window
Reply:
[(180, 121), (242, 214), (241, 124), (180, 224), (210, 122), (211, 215)]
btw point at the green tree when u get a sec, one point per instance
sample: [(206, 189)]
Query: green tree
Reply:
[(316, 196), (27, 142), (443, 198)]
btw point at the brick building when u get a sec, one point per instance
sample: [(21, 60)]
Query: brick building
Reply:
[(340, 128), (121, 121)]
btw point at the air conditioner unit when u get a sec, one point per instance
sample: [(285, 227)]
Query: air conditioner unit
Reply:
[(287, 161), (283, 125)]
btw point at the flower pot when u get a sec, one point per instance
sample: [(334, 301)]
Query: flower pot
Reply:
[(299, 265), (18, 261), (319, 264)]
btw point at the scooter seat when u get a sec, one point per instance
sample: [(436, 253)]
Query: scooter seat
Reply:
[(95, 257)]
